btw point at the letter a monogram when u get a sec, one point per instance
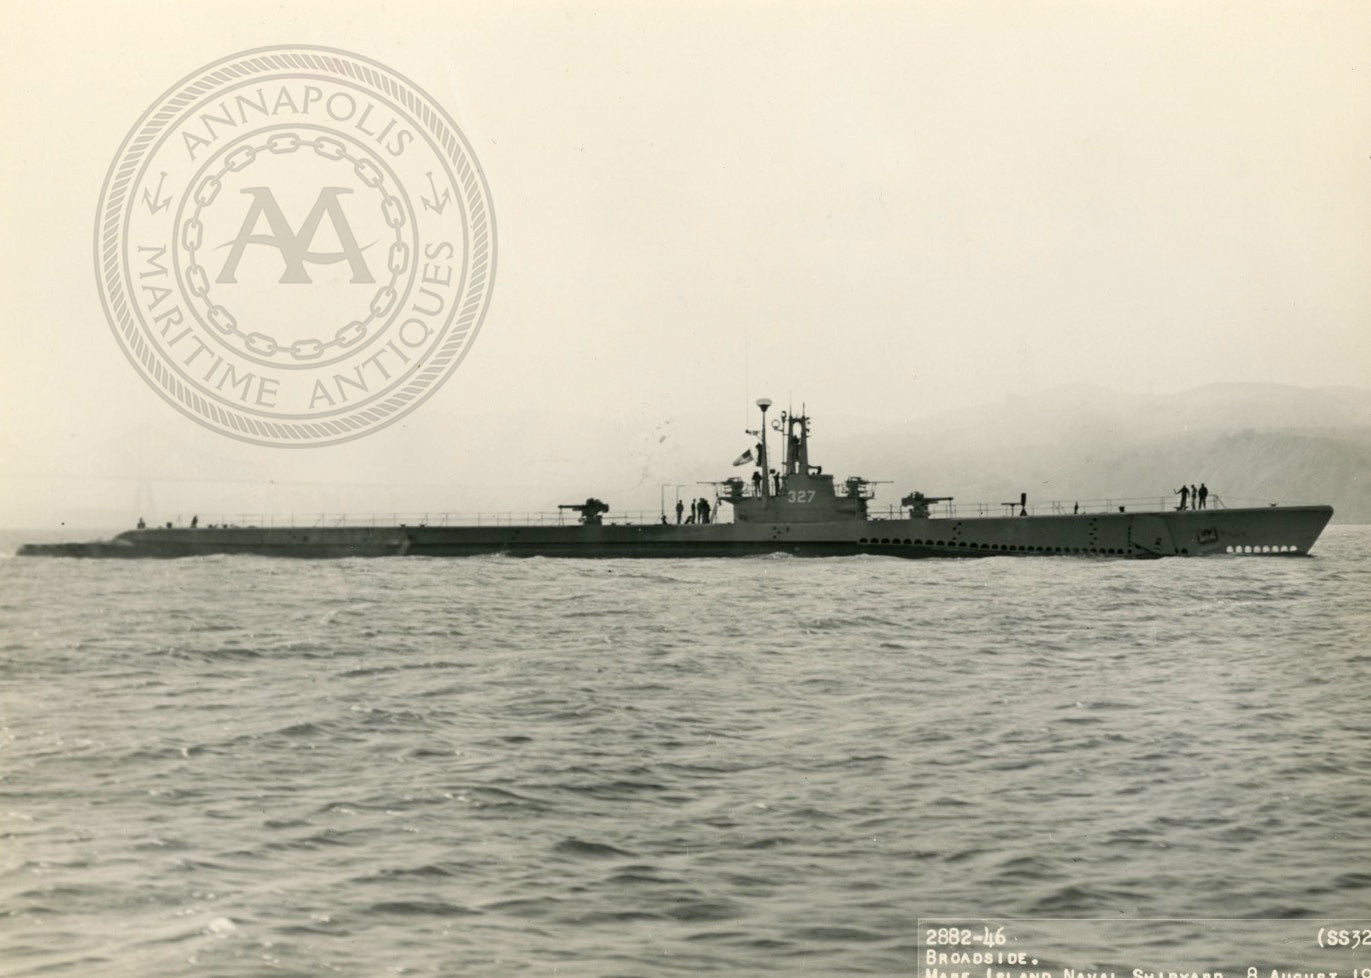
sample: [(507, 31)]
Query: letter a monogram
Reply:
[(294, 248)]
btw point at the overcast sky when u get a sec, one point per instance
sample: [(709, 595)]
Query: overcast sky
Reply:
[(885, 208)]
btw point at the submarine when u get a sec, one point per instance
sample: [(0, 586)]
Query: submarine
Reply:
[(794, 508)]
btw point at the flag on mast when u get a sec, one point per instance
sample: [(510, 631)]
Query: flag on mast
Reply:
[(744, 458)]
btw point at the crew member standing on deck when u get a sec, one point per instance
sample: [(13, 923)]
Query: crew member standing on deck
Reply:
[(1204, 496), (1184, 493), (680, 508)]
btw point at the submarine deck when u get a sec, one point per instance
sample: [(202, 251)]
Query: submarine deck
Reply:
[(1273, 530)]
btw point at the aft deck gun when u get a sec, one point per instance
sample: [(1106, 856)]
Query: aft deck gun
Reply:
[(918, 504)]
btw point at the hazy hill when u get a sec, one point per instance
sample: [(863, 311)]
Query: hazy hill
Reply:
[(1249, 442)]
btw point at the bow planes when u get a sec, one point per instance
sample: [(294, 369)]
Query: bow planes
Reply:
[(793, 508)]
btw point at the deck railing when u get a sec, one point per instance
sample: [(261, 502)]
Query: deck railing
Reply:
[(1055, 507), (944, 510), (303, 521)]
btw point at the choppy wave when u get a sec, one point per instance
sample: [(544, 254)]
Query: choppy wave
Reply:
[(238, 766)]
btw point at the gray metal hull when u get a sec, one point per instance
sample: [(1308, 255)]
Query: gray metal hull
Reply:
[(1276, 531)]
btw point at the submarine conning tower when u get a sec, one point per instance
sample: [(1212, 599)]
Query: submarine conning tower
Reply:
[(794, 491)]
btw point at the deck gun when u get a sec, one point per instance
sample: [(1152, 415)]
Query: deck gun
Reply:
[(590, 511), (918, 504)]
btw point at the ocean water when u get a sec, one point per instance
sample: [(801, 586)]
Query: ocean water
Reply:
[(235, 766)]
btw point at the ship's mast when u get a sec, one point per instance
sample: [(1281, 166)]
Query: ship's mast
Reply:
[(764, 403), (796, 446)]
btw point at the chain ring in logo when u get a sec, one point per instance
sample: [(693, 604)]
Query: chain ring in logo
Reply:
[(295, 246)]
